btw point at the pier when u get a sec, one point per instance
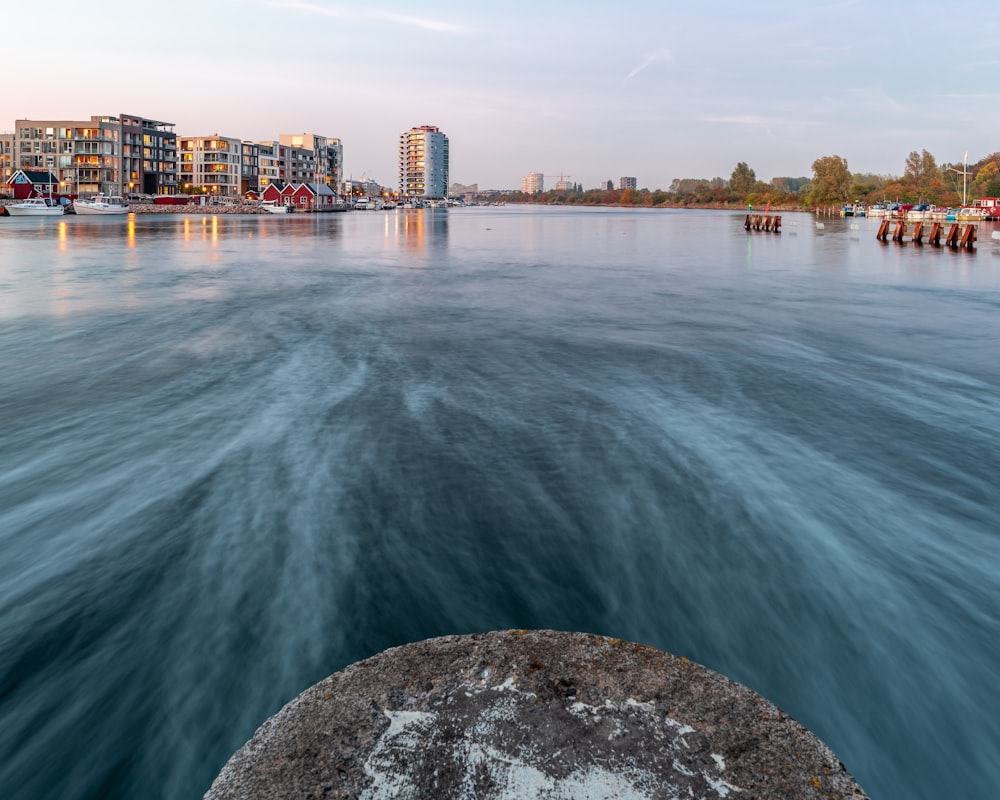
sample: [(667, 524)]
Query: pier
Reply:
[(954, 238), (763, 222)]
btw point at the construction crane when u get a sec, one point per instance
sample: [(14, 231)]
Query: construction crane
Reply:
[(562, 179)]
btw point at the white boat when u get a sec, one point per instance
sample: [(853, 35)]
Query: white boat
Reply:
[(36, 207), (970, 214), (275, 208), (102, 204)]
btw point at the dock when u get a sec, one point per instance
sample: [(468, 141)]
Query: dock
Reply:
[(955, 237), (763, 222)]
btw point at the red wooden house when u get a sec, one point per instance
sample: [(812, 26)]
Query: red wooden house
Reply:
[(315, 197), (277, 192), (27, 183)]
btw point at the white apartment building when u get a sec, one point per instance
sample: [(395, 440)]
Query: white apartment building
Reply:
[(423, 163), (210, 164), (533, 183)]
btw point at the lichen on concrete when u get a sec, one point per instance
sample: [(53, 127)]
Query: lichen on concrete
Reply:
[(542, 714)]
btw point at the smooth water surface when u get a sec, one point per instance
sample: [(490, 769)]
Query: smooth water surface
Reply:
[(240, 453)]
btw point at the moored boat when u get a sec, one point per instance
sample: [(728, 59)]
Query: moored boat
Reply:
[(275, 208), (102, 204), (970, 214), (37, 207)]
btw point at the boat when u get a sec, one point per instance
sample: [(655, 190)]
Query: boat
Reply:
[(37, 207), (921, 212), (102, 204), (970, 214), (990, 207), (272, 207)]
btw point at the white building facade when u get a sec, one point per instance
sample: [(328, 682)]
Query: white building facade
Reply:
[(211, 164), (423, 163), (533, 183)]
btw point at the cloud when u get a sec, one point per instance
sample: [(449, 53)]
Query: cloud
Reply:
[(660, 55), (342, 12), (758, 121)]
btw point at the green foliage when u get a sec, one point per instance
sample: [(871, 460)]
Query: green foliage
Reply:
[(742, 180), (831, 181)]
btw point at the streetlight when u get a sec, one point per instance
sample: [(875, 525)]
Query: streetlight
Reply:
[(964, 171)]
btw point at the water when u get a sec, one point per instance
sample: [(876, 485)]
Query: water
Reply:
[(238, 454)]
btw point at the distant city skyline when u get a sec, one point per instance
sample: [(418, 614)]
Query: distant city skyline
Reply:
[(590, 91)]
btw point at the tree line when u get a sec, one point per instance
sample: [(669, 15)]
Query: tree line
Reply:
[(924, 180)]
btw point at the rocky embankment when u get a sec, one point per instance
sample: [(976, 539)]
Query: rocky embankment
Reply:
[(152, 208)]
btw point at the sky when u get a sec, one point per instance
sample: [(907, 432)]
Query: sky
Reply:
[(589, 90)]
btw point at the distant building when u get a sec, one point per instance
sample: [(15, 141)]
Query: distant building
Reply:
[(249, 168), (366, 187), (109, 154), (211, 164), (533, 183), (6, 156), (327, 155), (423, 163), (467, 192), (627, 183), (268, 164)]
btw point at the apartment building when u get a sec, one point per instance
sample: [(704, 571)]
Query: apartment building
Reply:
[(109, 154), (268, 164), (294, 164), (6, 158), (249, 167), (628, 183), (327, 155), (533, 183), (211, 165), (149, 155), (423, 163)]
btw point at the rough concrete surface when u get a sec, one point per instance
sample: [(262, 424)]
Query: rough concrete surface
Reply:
[(531, 714)]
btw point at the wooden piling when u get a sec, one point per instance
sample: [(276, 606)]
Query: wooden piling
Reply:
[(952, 238), (755, 222), (968, 237), (918, 233), (883, 230), (935, 237), (900, 232)]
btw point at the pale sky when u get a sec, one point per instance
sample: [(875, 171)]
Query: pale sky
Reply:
[(592, 90)]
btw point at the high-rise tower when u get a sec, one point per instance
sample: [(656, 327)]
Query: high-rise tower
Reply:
[(423, 163)]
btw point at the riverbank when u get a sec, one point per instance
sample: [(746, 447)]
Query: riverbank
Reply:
[(193, 208)]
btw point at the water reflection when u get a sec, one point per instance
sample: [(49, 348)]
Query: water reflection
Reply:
[(239, 452), (418, 228)]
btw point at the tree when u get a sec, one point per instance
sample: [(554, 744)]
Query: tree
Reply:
[(611, 186), (831, 180), (986, 176), (742, 180), (921, 169)]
